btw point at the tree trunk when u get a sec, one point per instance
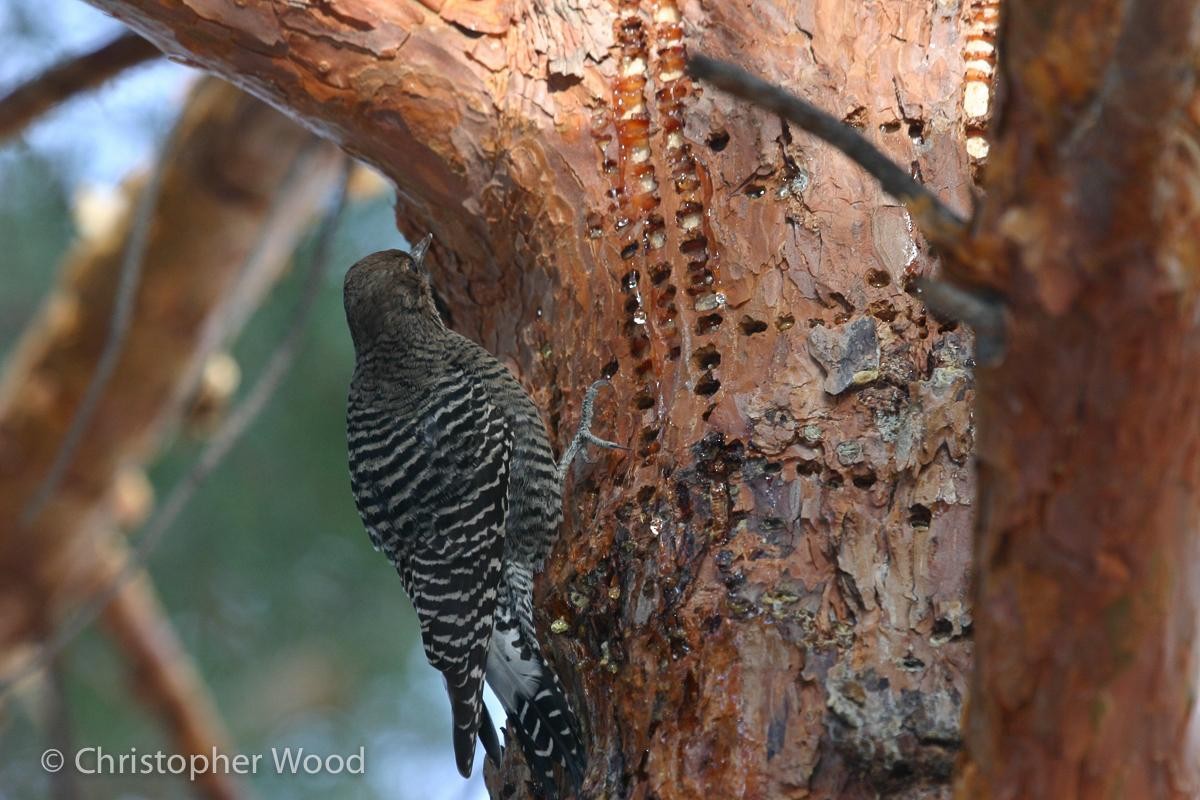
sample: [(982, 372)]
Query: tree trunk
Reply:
[(766, 596), (1090, 438)]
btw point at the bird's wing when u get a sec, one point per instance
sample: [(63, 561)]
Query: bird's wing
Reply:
[(456, 567), (442, 485)]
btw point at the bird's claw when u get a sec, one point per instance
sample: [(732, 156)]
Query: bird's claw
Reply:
[(584, 434), (590, 438)]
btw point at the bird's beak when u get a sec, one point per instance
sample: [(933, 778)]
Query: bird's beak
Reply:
[(418, 252)]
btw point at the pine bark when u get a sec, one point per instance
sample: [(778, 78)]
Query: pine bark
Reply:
[(767, 595), (1089, 449)]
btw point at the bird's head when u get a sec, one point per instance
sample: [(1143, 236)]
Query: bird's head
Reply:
[(386, 289)]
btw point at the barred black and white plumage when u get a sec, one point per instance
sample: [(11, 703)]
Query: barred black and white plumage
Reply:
[(456, 483)]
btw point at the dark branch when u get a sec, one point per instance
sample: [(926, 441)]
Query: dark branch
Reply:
[(984, 314), (939, 224), (30, 100)]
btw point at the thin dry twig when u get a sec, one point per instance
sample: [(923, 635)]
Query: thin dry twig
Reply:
[(939, 224), (30, 100), (220, 445), (128, 281)]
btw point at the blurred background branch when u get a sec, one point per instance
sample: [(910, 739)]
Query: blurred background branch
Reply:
[(27, 102), (214, 227), (129, 275), (163, 676)]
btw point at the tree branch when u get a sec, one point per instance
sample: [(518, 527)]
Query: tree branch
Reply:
[(27, 102), (1087, 603), (132, 257), (165, 678)]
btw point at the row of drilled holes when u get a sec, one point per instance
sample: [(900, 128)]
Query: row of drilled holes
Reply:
[(684, 170), (638, 194)]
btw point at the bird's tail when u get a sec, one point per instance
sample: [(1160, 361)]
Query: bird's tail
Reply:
[(537, 707), (466, 707)]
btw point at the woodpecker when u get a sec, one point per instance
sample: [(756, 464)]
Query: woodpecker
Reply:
[(456, 484)]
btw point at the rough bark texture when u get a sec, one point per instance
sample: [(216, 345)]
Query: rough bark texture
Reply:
[(1089, 434), (766, 597), (217, 232)]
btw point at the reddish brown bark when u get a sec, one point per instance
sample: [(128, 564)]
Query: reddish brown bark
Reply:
[(767, 596), (1089, 433)]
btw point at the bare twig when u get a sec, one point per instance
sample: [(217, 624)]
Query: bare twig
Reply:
[(984, 314), (30, 100), (127, 284), (939, 224), (220, 445)]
